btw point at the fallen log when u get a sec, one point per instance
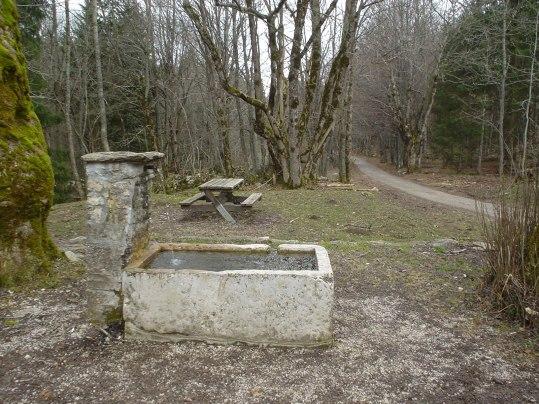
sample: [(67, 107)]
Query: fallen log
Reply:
[(348, 187)]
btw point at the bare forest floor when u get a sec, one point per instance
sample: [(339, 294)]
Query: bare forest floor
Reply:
[(483, 187), (409, 321)]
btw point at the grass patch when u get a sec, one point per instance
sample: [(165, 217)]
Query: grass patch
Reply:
[(62, 271), (327, 215), (370, 232), (439, 250)]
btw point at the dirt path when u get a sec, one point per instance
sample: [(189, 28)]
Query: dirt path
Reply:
[(418, 190)]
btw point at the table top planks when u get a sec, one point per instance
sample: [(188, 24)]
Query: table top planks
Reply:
[(221, 184)]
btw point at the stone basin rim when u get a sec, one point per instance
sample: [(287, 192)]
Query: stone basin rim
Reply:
[(123, 157), (138, 265)]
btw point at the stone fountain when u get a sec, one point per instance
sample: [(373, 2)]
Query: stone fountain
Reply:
[(219, 293)]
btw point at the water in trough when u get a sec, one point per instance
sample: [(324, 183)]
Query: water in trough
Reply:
[(231, 261)]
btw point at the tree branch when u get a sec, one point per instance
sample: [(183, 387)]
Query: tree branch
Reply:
[(318, 28), (237, 6), (216, 59), (250, 10)]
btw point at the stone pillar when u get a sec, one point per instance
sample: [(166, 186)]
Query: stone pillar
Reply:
[(118, 222)]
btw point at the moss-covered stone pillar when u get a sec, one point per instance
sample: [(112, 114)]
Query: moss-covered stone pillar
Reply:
[(118, 222)]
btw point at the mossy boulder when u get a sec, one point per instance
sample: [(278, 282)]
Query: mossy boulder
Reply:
[(26, 176)]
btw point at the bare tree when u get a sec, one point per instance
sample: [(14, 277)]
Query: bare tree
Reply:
[(345, 135), (99, 75), (530, 99), (67, 106), (502, 89), (295, 131), (408, 44)]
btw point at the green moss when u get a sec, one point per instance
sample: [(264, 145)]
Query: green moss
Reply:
[(8, 12), (114, 316), (11, 322), (26, 177), (62, 271)]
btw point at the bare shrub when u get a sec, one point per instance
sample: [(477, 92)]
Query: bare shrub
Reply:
[(512, 237)]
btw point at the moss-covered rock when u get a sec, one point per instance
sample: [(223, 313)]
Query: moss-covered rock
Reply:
[(26, 177)]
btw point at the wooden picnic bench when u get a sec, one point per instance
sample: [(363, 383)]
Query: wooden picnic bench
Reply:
[(224, 201)]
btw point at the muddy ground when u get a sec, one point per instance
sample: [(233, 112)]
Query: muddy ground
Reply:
[(409, 321)]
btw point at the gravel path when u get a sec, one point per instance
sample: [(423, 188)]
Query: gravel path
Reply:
[(418, 190), (391, 346)]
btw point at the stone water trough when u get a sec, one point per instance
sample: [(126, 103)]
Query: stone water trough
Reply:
[(219, 293), (228, 293)]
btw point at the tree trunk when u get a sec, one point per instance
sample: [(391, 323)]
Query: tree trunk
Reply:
[(481, 146), (255, 145), (54, 51), (284, 120), (529, 100), (99, 76), (224, 130), (26, 177), (398, 152), (345, 138), (348, 148), (258, 86), (342, 156), (148, 104), (406, 153), (501, 110), (67, 106), (410, 152)]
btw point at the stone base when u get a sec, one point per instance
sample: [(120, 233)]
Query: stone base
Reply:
[(104, 306), (262, 307)]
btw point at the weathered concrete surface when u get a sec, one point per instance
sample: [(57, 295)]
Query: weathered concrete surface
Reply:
[(118, 221), (266, 307)]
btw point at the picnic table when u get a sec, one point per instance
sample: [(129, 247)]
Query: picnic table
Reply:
[(224, 201)]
